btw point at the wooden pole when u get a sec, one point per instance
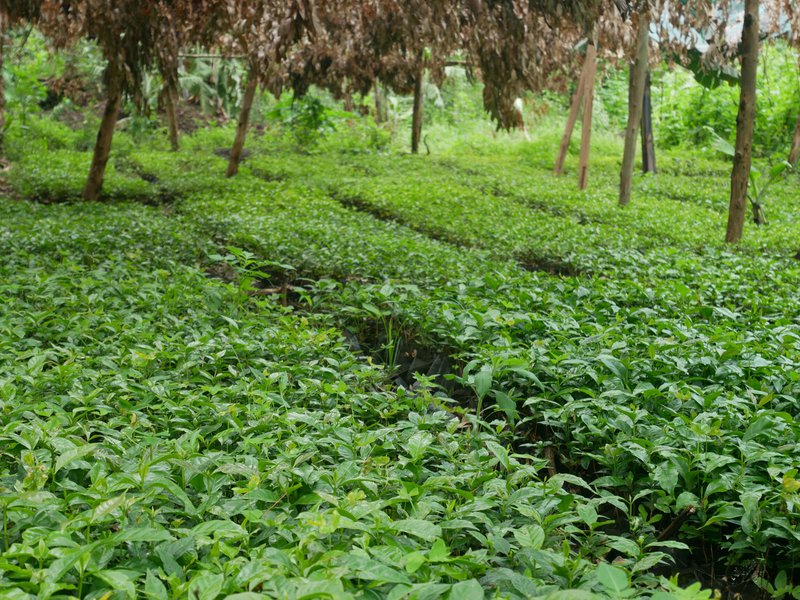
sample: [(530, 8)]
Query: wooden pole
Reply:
[(378, 105), (744, 124), (416, 123), (794, 155), (648, 141), (102, 148), (2, 85), (171, 107), (637, 84), (244, 122), (572, 118), (588, 107)]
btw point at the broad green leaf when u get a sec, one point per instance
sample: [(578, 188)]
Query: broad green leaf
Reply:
[(72, 455), (119, 581), (422, 529), (372, 570), (154, 589), (206, 585), (614, 365), (418, 444), (467, 590), (614, 579), (439, 552), (218, 529), (107, 507), (483, 382), (500, 453), (531, 536)]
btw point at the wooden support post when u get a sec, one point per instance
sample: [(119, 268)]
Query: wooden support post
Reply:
[(244, 123), (744, 124), (572, 118), (170, 97), (648, 141), (102, 147), (588, 107), (636, 95), (2, 86), (416, 123), (379, 100)]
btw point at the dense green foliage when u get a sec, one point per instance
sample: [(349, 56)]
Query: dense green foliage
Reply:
[(616, 372), (354, 373)]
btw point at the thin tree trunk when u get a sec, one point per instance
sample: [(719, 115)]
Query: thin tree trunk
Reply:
[(102, 148), (794, 155), (244, 122), (171, 107), (744, 124), (416, 123), (378, 105), (577, 98), (2, 86), (348, 102), (648, 141), (637, 84), (588, 109)]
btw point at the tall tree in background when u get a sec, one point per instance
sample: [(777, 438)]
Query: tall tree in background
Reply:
[(744, 123)]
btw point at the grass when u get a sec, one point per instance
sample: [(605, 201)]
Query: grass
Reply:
[(247, 391)]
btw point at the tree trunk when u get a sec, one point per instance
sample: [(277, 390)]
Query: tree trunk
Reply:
[(171, 107), (637, 85), (794, 155), (244, 122), (744, 124), (416, 123), (588, 109), (102, 148), (348, 102), (571, 120), (648, 142), (378, 105), (2, 87)]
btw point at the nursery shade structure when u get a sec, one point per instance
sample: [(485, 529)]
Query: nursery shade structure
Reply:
[(512, 45)]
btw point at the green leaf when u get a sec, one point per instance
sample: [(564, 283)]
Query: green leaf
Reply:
[(219, 529), (107, 507), (439, 552), (418, 444), (467, 590), (206, 585), (614, 365), (141, 534), (422, 529), (483, 382), (531, 536), (118, 580), (414, 560), (649, 561), (614, 579), (72, 455), (154, 589), (500, 452), (372, 570)]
